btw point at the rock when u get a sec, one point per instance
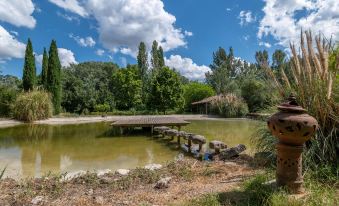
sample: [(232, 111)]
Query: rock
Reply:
[(198, 139), (99, 200), (172, 132), (153, 167), (122, 172), (37, 200), (103, 172), (188, 136), (72, 175), (232, 152), (215, 144), (163, 183)]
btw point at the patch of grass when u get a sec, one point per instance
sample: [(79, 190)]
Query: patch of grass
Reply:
[(137, 176), (182, 170), (208, 171), (209, 199)]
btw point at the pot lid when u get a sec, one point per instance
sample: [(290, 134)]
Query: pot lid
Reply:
[(291, 105)]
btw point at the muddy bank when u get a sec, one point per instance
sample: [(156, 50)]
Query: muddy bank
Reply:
[(186, 178), (93, 119)]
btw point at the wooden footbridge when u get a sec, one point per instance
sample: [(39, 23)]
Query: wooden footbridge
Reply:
[(149, 122)]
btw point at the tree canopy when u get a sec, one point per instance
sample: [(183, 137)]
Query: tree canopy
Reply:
[(29, 73)]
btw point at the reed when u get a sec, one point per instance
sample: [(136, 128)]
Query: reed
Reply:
[(312, 82)]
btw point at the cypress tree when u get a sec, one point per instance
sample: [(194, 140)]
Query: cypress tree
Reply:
[(44, 69), (54, 77), (161, 60), (142, 60), (28, 77), (155, 55)]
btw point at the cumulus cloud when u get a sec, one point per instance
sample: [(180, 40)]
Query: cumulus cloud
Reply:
[(66, 57), (265, 44), (38, 59), (100, 52), (72, 6), (187, 67), (246, 17), (188, 33), (84, 42), (283, 20), (18, 13), (69, 17), (10, 47)]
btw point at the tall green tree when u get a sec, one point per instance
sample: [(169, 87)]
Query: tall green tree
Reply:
[(166, 91), (127, 88), (54, 77), (278, 59), (261, 58), (29, 73), (44, 69), (142, 60), (155, 55), (161, 57)]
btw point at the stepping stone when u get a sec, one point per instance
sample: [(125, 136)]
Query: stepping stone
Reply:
[(217, 146)]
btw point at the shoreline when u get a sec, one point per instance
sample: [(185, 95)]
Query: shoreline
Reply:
[(5, 123)]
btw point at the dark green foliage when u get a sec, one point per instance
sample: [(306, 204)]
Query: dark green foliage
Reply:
[(102, 108), (32, 106), (261, 58), (196, 91), (44, 69), (54, 77), (161, 57), (155, 55), (166, 90), (7, 98), (142, 60), (86, 85), (127, 88), (258, 93), (278, 59), (29, 72)]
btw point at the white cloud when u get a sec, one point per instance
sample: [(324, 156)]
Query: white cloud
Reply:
[(38, 59), (246, 37), (246, 17), (72, 6), (10, 47), (125, 23), (15, 33), (265, 44), (284, 19), (18, 13), (69, 17), (100, 52), (228, 9), (188, 33), (187, 67), (84, 42), (66, 57)]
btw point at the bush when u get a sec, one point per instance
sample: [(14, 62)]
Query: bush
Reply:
[(196, 91), (7, 98), (32, 106), (102, 108), (230, 105)]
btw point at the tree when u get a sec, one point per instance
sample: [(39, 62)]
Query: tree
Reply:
[(86, 85), (166, 90), (161, 57), (54, 77), (127, 88), (261, 58), (195, 91), (44, 69), (142, 60), (278, 59), (29, 73)]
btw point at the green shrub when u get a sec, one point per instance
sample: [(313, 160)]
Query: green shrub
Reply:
[(230, 105), (32, 106), (196, 91), (102, 108), (7, 98)]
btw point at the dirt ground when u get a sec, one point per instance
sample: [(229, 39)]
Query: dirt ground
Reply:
[(190, 178)]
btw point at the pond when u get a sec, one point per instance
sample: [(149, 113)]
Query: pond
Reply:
[(35, 150)]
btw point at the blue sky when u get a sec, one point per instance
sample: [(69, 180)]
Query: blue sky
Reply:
[(188, 30)]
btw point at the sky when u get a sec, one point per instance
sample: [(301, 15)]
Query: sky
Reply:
[(188, 30)]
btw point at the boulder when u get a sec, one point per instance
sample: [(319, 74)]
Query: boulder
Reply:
[(160, 129), (198, 139), (232, 152), (103, 172), (163, 183), (172, 132), (188, 136), (215, 144), (122, 172), (153, 167)]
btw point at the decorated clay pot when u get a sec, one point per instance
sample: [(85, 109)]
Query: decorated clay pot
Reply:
[(292, 125)]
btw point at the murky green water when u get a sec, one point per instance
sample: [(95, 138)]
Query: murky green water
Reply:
[(34, 150)]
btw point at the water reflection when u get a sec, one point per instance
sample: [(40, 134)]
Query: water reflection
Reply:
[(34, 150)]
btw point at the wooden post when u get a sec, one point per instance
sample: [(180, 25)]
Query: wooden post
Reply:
[(121, 130), (178, 140), (152, 127), (206, 107), (189, 145)]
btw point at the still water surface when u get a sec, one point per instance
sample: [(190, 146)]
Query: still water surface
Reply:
[(35, 150)]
